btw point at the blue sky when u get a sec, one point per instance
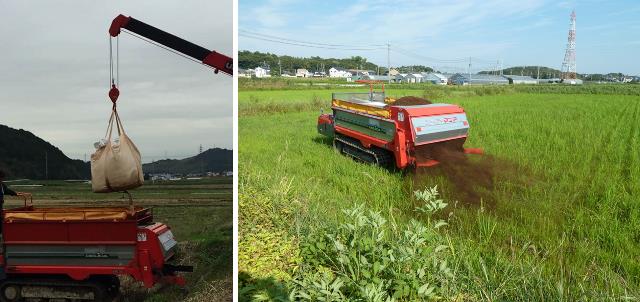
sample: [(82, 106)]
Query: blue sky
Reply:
[(531, 32)]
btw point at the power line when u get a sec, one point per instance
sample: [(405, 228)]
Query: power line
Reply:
[(429, 59), (363, 47), (310, 45), (488, 61)]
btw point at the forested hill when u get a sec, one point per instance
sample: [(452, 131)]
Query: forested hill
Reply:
[(532, 71), (213, 160), (24, 155), (548, 73)]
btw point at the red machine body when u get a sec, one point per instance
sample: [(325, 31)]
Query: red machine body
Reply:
[(84, 249), (403, 136)]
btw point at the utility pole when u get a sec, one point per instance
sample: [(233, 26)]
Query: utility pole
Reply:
[(389, 62), (279, 65), (538, 76), (469, 70)]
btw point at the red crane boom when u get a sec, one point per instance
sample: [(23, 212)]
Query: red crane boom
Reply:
[(216, 60), (211, 58)]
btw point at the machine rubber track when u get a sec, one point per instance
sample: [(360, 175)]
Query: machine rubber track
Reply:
[(355, 149), (97, 289)]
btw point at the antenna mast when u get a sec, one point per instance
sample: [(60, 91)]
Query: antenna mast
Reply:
[(569, 63)]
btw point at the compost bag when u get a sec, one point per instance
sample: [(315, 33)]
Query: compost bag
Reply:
[(116, 165)]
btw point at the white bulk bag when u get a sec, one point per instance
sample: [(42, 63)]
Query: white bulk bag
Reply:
[(116, 166)]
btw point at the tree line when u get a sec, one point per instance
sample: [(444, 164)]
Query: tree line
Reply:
[(251, 60)]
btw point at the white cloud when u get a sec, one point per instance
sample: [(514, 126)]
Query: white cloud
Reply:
[(431, 27)]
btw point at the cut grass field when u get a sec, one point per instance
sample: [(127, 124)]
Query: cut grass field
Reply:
[(560, 221), (199, 213)]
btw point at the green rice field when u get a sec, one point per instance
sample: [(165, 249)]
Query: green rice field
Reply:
[(551, 212)]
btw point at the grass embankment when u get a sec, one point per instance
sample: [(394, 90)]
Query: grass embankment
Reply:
[(559, 221), (199, 212)]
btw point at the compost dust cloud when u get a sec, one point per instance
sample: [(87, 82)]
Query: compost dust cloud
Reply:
[(470, 179)]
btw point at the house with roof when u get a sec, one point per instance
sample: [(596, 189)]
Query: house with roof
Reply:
[(303, 73), (393, 72), (339, 73), (409, 78), (572, 81), (355, 72), (400, 78), (413, 78), (516, 79), (261, 72), (434, 78), (245, 73), (376, 77)]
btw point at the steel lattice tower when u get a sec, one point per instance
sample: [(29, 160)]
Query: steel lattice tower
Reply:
[(569, 63)]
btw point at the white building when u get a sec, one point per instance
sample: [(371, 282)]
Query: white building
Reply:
[(262, 72), (339, 73), (303, 73), (414, 78), (434, 78), (245, 73), (400, 78), (516, 79), (375, 77)]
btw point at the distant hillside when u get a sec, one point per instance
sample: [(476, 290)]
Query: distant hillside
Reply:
[(22, 155), (212, 160), (532, 71), (548, 73)]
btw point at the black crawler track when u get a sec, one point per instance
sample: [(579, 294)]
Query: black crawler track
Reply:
[(102, 289), (355, 149)]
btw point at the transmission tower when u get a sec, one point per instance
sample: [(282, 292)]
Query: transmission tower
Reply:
[(569, 63)]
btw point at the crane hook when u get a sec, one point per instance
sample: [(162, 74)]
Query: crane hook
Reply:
[(114, 93)]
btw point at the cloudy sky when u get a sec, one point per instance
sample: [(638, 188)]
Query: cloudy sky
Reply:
[(446, 33), (54, 57)]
